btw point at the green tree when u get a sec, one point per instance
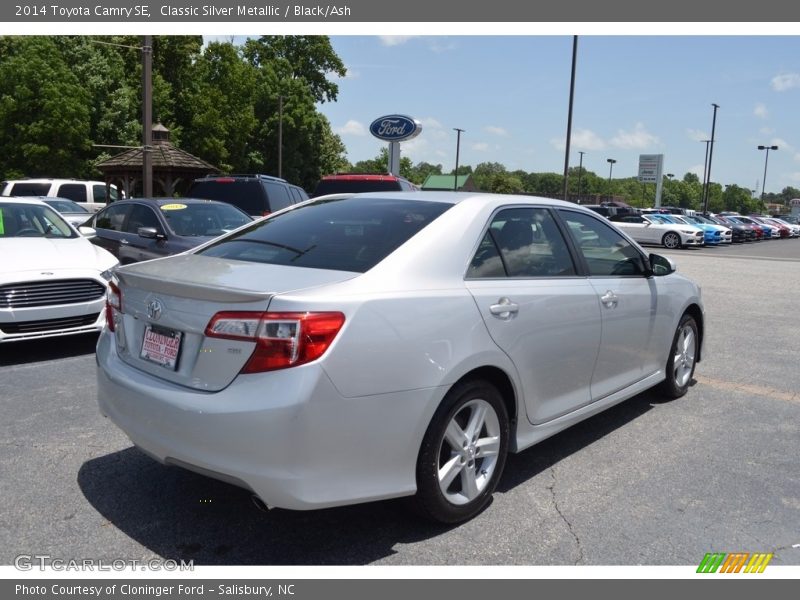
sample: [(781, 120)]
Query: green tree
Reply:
[(309, 58), (45, 119)]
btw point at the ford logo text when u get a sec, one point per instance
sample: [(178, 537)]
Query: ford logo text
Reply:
[(395, 128)]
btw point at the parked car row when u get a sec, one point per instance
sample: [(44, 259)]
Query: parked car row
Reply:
[(682, 231)]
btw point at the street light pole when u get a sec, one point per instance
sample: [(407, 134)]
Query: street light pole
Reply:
[(580, 173), (766, 158), (610, 162), (710, 156), (569, 116), (458, 147), (705, 174)]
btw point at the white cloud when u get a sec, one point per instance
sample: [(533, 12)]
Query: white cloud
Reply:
[(794, 176), (697, 135), (439, 47), (781, 144), (352, 127), (480, 146), (797, 157), (761, 111), (766, 131), (698, 170), (496, 130), (785, 81), (587, 139), (395, 40), (638, 139), (430, 123), (581, 139)]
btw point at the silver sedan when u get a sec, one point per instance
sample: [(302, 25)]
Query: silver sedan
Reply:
[(387, 345)]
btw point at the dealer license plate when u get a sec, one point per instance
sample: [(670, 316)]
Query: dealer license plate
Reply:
[(161, 346)]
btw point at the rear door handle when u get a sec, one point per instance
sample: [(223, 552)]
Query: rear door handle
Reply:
[(609, 299), (504, 309)]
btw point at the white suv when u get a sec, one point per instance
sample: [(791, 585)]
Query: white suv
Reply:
[(91, 194)]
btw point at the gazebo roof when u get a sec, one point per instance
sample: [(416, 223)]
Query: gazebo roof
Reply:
[(165, 157)]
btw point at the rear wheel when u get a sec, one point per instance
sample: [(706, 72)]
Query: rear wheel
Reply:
[(671, 240), (682, 359), (463, 453)]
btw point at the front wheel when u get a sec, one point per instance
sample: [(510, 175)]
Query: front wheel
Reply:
[(682, 359), (463, 453), (671, 240)]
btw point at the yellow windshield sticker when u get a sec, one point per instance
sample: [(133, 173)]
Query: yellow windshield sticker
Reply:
[(173, 207)]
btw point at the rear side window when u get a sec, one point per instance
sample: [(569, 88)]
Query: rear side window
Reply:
[(522, 242), (246, 194), (99, 193), (29, 189), (278, 196), (72, 191), (350, 234)]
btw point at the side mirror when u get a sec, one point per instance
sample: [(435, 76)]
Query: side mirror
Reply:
[(661, 265), (151, 233), (86, 231)]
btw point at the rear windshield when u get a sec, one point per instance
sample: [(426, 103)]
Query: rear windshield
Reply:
[(247, 194), (352, 234), (30, 189), (346, 186)]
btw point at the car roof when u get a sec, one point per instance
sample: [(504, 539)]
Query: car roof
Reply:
[(459, 197), (21, 200)]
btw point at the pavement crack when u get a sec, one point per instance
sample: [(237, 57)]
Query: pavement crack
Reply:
[(574, 535)]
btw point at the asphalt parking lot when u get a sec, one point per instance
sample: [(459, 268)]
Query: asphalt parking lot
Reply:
[(647, 482)]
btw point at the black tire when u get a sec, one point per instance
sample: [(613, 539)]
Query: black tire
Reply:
[(671, 240), (682, 359), (476, 466)]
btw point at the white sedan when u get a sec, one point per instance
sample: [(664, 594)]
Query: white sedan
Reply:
[(649, 229), (53, 281)]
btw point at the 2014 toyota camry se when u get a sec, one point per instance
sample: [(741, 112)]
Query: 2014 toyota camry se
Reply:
[(384, 345)]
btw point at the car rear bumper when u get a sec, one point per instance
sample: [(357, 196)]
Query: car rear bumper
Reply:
[(289, 436)]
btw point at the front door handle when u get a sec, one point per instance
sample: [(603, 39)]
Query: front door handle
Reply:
[(504, 309), (609, 299)]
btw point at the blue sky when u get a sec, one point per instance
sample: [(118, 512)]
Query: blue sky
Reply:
[(634, 95)]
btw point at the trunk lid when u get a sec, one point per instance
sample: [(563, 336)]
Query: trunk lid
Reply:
[(167, 304)]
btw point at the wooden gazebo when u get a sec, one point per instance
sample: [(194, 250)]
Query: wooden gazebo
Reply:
[(173, 168)]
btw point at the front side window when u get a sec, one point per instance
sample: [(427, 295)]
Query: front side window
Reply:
[(111, 218), (605, 250), (522, 242), (351, 234), (142, 216)]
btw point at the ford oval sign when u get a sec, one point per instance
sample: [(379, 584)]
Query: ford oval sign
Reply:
[(395, 128)]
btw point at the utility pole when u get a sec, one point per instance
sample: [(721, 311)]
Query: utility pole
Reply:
[(147, 116), (458, 146), (569, 116)]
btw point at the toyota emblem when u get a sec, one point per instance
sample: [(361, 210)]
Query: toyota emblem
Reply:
[(154, 309)]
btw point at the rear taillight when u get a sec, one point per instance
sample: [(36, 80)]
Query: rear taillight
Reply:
[(282, 339), (113, 302)]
